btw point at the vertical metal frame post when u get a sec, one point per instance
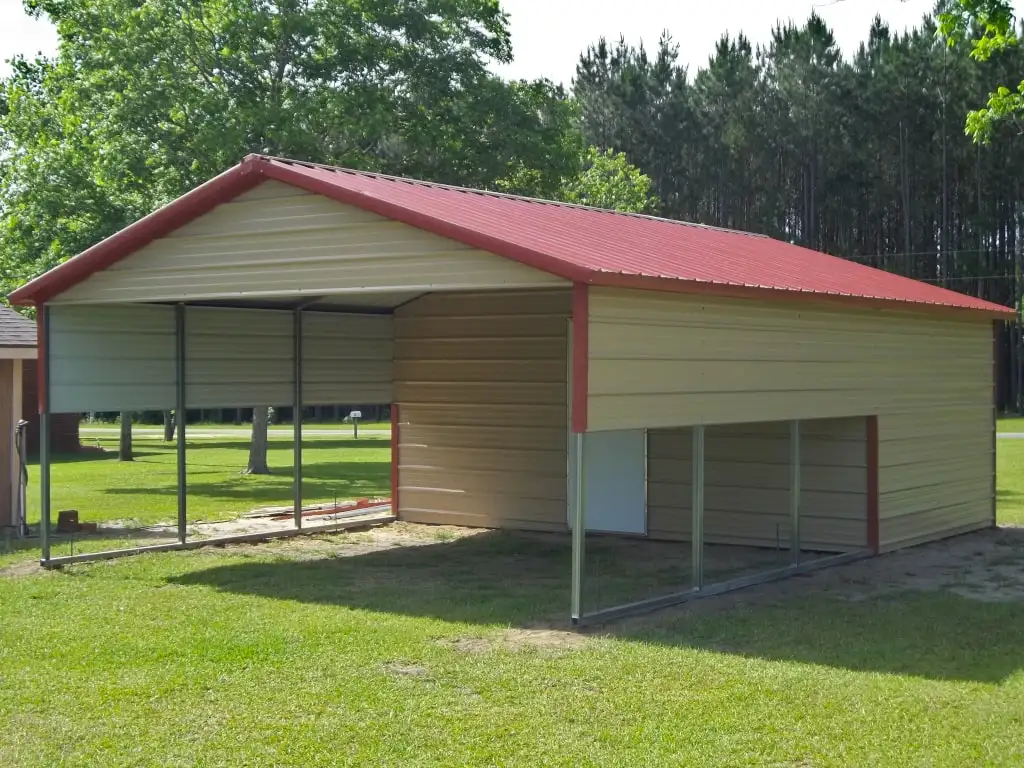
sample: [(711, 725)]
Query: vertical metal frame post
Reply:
[(697, 526), (297, 417), (579, 530), (180, 418), (43, 370), (794, 491)]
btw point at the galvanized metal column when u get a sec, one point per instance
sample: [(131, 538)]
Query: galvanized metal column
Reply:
[(43, 368), (179, 417), (697, 526), (579, 531), (794, 491), (297, 417)]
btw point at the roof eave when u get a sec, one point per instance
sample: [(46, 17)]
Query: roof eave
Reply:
[(988, 311)]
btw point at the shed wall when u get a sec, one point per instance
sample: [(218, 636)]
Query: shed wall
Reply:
[(660, 360), (10, 386), (278, 240), (746, 484), (122, 358), (480, 380)]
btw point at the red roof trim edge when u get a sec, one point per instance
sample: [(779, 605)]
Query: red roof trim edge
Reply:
[(729, 290), (255, 168), (109, 251)]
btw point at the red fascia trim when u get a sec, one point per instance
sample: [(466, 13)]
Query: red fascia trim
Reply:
[(303, 178), (725, 290), (580, 355), (162, 221), (42, 359), (873, 499), (395, 435)]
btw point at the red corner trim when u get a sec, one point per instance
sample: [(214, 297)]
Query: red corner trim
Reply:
[(42, 359), (395, 439), (105, 253), (873, 500), (580, 355)]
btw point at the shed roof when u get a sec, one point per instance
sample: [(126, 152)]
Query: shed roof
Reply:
[(15, 330), (585, 245)]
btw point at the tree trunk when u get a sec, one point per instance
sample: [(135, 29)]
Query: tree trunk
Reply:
[(258, 444), (170, 420), (124, 448)]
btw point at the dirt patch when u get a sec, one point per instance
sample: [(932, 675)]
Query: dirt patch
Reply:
[(552, 640), (987, 566), (20, 570)]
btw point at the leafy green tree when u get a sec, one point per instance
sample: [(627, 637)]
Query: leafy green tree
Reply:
[(607, 180), (144, 101), (993, 21)]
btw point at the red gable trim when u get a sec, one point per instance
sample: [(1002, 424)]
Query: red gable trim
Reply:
[(162, 221), (256, 168)]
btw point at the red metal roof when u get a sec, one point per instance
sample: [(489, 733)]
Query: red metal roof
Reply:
[(585, 245)]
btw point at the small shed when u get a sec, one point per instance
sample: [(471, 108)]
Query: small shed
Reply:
[(17, 347), (550, 366)]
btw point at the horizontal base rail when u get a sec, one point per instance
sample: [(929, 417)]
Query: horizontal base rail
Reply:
[(711, 590), (85, 557)]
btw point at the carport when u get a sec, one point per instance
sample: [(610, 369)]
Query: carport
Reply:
[(550, 367)]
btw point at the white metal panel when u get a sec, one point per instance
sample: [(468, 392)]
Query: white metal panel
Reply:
[(615, 477), (347, 358), (276, 240), (111, 358), (237, 357)]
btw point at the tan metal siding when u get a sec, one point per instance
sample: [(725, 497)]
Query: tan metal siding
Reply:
[(277, 240), (662, 360), (117, 358), (346, 358), (480, 380), (243, 357), (746, 480), (237, 357)]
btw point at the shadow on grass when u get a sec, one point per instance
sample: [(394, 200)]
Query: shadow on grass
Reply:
[(322, 482), (517, 579)]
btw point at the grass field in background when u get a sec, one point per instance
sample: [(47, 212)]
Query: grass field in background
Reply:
[(144, 491)]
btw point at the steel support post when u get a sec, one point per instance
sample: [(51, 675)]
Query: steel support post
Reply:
[(579, 530), (794, 491), (44, 433), (44, 485), (697, 525), (297, 417), (180, 418)]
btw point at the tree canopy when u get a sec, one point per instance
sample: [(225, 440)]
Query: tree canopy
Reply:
[(993, 22)]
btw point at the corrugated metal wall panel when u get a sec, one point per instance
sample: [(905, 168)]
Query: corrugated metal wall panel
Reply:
[(347, 358), (243, 357), (111, 358), (660, 360), (481, 384), (746, 480), (278, 241), (237, 357)]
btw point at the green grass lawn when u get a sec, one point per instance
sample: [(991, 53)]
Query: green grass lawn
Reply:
[(290, 654), (144, 491)]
